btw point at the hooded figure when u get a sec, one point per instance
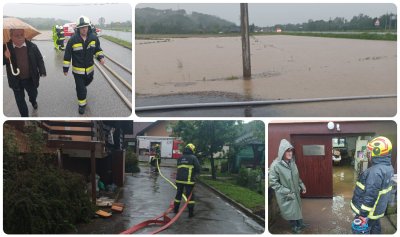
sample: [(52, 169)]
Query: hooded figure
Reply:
[(285, 181)]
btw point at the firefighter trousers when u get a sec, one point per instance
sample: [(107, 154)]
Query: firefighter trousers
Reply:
[(179, 191), (81, 82)]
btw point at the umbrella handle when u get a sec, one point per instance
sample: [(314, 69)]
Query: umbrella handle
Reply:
[(12, 70), (11, 66)]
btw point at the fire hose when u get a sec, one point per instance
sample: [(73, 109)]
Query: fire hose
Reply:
[(163, 219)]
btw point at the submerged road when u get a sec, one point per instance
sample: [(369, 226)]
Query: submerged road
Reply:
[(147, 195), (57, 94)]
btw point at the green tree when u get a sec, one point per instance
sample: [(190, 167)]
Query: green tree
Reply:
[(209, 137)]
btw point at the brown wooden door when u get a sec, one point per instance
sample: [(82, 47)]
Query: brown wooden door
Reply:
[(314, 161)]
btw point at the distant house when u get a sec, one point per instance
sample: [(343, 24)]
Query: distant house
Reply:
[(278, 30), (251, 151)]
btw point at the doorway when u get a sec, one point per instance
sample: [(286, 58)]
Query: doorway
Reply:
[(313, 158), (329, 165)]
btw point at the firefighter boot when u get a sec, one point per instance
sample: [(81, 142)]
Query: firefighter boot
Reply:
[(82, 109), (191, 212), (35, 105), (301, 225), (176, 209)]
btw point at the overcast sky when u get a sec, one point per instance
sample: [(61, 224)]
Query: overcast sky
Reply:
[(111, 12), (269, 14)]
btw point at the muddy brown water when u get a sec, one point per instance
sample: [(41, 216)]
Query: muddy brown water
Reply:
[(282, 67)]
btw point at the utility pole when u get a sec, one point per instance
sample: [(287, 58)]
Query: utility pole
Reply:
[(244, 29)]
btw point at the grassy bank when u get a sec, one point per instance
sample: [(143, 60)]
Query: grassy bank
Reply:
[(119, 29), (364, 35), (250, 199), (121, 42)]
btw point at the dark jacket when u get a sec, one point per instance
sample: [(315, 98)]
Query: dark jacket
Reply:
[(373, 188), (285, 180), (36, 64), (188, 168), (82, 52)]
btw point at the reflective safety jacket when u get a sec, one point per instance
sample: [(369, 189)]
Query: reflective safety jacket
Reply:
[(373, 188), (188, 169), (82, 52), (60, 34)]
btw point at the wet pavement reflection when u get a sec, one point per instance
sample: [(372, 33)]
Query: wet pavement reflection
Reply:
[(147, 195)]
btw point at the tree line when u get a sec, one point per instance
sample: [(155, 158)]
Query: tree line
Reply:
[(154, 21), (357, 23)]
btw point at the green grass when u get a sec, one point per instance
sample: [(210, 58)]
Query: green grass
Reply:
[(364, 35), (120, 29), (121, 42), (244, 196)]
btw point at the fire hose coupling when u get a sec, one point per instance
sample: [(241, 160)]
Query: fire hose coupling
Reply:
[(360, 225)]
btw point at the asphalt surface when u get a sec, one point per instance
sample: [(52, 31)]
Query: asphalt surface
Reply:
[(356, 108), (57, 94), (147, 195)]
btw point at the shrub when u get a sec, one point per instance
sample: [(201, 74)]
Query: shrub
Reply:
[(40, 198), (250, 179), (131, 161), (224, 166)]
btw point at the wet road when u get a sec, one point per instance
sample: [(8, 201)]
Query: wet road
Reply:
[(330, 216), (57, 95), (147, 195), (355, 108)]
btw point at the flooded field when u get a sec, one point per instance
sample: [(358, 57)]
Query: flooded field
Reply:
[(283, 67)]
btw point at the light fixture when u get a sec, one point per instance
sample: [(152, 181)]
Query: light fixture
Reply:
[(331, 125)]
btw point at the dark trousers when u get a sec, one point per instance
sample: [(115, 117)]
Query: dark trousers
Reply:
[(179, 191), (375, 226), (25, 84), (81, 82), (296, 223)]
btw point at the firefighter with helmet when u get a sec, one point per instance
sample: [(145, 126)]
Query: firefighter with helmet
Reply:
[(155, 160), (373, 188), (81, 48), (188, 168), (60, 37)]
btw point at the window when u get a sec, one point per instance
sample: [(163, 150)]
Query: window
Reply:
[(339, 142)]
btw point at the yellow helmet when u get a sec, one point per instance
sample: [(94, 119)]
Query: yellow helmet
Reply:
[(191, 147), (379, 146)]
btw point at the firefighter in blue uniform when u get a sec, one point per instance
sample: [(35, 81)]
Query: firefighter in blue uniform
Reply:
[(81, 48), (60, 37), (373, 188), (188, 168), (156, 158)]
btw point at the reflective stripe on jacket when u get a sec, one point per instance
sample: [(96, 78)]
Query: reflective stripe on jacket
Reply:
[(188, 168), (372, 192), (81, 53)]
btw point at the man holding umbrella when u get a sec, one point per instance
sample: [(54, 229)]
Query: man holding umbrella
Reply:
[(24, 63)]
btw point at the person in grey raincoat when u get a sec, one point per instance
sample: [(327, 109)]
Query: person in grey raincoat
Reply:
[(285, 181)]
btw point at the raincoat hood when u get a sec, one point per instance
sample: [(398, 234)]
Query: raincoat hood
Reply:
[(283, 146), (385, 160)]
